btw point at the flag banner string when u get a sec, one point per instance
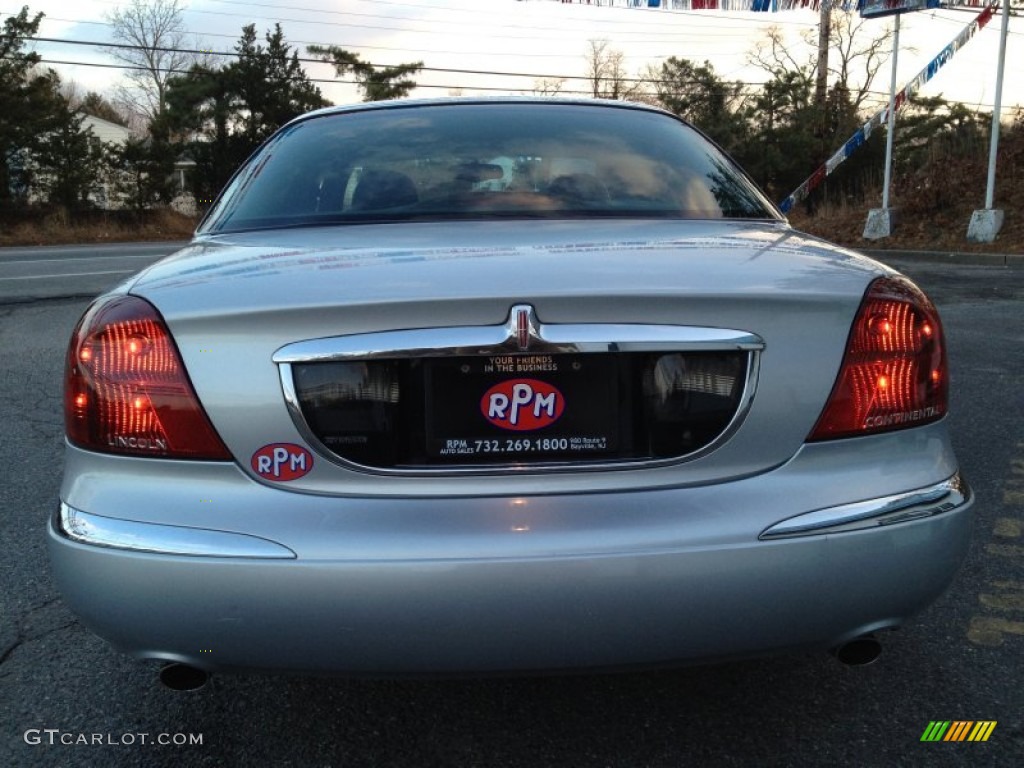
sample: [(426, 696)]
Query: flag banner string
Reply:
[(757, 5), (716, 5), (864, 132)]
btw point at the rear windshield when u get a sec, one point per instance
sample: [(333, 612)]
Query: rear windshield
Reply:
[(478, 161)]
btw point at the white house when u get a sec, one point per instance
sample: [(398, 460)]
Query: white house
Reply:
[(106, 131), (103, 195), (118, 135)]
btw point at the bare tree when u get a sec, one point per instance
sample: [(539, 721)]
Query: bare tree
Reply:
[(548, 86), (854, 60), (205, 56), (606, 72), (154, 39), (855, 50), (775, 54), (72, 92), (91, 103)]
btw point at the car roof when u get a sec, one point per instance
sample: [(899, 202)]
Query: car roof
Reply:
[(479, 100)]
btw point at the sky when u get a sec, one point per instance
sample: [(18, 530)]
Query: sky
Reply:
[(534, 39)]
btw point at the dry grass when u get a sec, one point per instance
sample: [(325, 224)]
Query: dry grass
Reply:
[(934, 207), (941, 230), (57, 228)]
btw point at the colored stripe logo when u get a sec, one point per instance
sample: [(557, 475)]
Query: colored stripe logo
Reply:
[(958, 730)]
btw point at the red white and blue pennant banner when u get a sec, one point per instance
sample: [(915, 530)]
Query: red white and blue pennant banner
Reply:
[(866, 7), (864, 132), (716, 5), (871, 8)]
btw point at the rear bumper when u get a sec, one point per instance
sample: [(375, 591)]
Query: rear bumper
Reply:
[(412, 586)]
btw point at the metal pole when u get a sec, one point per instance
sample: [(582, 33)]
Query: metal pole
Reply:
[(824, 38), (891, 125), (990, 189)]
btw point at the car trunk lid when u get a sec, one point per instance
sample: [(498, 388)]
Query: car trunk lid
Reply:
[(232, 302)]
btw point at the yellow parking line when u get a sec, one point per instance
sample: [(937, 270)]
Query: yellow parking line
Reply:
[(1009, 527), (1005, 595), (1003, 602), (1004, 584), (989, 631), (1005, 550)]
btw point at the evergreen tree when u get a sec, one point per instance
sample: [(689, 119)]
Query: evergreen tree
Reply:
[(143, 171), (377, 83), (30, 105), (783, 148), (70, 161), (218, 116), (270, 85), (697, 94)]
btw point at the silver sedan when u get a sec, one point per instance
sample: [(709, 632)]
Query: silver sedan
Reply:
[(503, 385)]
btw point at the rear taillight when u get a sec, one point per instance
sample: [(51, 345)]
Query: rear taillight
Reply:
[(894, 373), (126, 390)]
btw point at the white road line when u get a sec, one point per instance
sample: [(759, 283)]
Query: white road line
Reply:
[(80, 258), (72, 274)]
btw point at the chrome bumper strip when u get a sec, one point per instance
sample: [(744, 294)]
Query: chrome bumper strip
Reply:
[(886, 510), (100, 531)]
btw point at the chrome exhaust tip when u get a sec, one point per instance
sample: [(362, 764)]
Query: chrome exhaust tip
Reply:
[(182, 677)]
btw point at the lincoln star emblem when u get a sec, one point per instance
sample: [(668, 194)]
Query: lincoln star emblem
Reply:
[(522, 325)]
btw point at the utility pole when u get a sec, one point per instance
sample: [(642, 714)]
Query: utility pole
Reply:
[(821, 85), (824, 33)]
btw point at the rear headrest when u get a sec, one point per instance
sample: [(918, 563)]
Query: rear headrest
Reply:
[(381, 190)]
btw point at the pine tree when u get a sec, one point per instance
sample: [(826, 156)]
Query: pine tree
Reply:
[(31, 106)]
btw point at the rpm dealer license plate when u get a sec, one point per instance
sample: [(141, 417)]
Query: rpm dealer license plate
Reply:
[(522, 408)]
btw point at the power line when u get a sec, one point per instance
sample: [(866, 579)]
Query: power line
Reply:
[(490, 53), (360, 46), (447, 70), (661, 13), (458, 71), (174, 71), (448, 22), (449, 87), (729, 29), (959, 23)]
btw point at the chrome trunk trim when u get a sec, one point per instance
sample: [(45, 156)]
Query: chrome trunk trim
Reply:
[(470, 341), (504, 339)]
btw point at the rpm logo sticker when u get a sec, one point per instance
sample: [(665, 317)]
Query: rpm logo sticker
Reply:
[(282, 462), (522, 405)]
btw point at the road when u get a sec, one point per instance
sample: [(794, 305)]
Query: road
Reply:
[(27, 274), (960, 660)]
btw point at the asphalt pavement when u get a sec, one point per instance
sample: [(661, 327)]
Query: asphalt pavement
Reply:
[(33, 273), (66, 271), (68, 699)]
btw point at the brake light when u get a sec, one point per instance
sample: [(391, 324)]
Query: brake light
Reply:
[(893, 374), (126, 390)]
